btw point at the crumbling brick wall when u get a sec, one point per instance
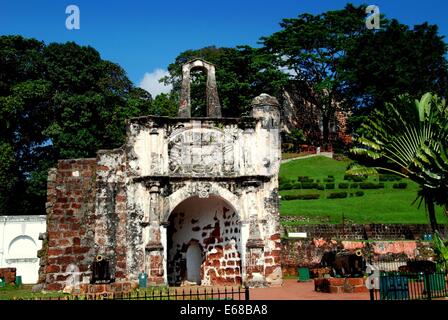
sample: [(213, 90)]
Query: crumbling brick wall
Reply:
[(70, 213)]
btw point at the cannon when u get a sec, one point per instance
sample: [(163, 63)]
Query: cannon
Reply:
[(345, 264)]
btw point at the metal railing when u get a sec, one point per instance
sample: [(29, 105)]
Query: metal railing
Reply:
[(198, 293), (411, 286)]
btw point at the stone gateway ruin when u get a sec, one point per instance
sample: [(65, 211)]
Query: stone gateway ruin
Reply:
[(185, 200)]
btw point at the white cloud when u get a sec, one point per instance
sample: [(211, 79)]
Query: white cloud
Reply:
[(150, 82)]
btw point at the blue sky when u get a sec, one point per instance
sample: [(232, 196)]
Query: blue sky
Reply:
[(145, 36)]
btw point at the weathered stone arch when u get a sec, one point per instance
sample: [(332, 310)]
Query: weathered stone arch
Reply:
[(186, 192), (213, 106), (213, 223), (26, 244)]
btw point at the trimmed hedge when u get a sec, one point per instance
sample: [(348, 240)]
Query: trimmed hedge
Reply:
[(354, 185), (359, 193), (401, 185), (355, 178), (329, 186), (311, 196), (337, 195), (343, 185), (309, 185), (389, 177), (305, 179), (370, 185)]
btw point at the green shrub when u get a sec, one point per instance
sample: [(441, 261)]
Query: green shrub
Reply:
[(343, 185), (328, 180), (369, 185), (359, 178), (380, 185), (359, 193), (297, 185), (305, 179), (309, 185), (320, 187), (286, 186), (401, 185), (354, 185), (355, 178), (337, 195), (329, 186), (389, 177), (291, 197), (311, 196)]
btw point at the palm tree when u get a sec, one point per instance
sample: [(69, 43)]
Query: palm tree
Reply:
[(411, 140)]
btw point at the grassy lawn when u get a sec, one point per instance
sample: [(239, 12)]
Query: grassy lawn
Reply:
[(24, 292), (386, 205)]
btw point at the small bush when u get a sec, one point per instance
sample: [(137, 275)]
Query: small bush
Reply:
[(380, 185), (286, 186), (320, 187), (297, 185), (309, 185), (337, 195), (329, 186), (343, 185), (354, 185), (401, 185), (331, 176), (305, 179), (359, 193), (389, 177), (355, 178), (291, 197), (328, 180), (359, 178), (311, 196), (369, 185)]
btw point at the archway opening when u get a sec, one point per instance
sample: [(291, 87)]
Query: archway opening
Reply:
[(194, 261), (204, 243), (198, 92)]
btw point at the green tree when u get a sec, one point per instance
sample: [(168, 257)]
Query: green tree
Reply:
[(311, 47), (382, 64), (165, 104), (56, 101), (411, 139)]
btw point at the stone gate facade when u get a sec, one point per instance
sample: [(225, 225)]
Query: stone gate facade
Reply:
[(183, 200)]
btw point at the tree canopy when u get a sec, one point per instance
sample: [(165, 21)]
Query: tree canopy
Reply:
[(56, 101), (242, 73)]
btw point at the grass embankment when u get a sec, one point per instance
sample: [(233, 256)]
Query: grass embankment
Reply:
[(386, 205)]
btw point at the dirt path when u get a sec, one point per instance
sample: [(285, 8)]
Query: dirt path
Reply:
[(293, 290)]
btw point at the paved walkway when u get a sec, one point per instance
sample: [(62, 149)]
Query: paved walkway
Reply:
[(293, 290), (322, 154)]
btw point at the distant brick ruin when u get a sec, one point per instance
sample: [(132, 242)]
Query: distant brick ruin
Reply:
[(184, 200)]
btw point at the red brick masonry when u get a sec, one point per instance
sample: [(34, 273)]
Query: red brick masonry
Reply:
[(340, 285), (9, 274)]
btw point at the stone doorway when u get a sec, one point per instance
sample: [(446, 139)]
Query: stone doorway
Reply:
[(204, 243), (193, 263)]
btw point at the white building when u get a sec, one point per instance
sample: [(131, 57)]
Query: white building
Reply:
[(19, 243)]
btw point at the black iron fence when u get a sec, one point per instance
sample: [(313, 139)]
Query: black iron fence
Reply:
[(411, 286), (197, 293)]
